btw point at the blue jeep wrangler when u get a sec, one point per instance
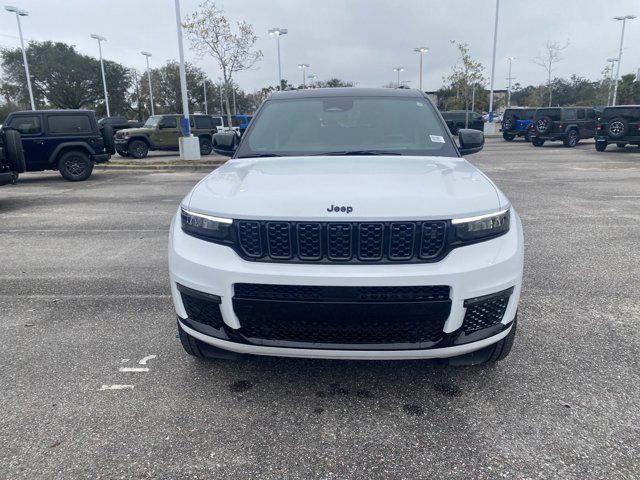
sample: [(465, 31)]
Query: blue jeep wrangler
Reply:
[(69, 141), (517, 122)]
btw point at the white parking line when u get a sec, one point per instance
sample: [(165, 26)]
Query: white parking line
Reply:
[(116, 387), (133, 369), (146, 359)]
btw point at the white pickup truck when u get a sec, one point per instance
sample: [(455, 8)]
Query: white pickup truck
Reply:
[(347, 225)]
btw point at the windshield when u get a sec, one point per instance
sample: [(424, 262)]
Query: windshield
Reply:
[(152, 122), (343, 125)]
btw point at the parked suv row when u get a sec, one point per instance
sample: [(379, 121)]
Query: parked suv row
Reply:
[(517, 122), (567, 124)]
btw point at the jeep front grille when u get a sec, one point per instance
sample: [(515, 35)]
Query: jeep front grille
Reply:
[(365, 242)]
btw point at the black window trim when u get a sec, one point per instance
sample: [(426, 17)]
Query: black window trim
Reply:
[(23, 115)]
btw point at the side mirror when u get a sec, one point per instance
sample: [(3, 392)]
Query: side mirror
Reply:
[(471, 141)]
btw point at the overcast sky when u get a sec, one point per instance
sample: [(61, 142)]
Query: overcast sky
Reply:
[(356, 40)]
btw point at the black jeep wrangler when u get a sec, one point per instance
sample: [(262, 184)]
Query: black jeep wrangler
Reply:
[(517, 122), (11, 157), (69, 141), (568, 124), (619, 125)]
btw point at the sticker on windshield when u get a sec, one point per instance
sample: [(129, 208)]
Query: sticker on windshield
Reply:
[(420, 104), (436, 138)]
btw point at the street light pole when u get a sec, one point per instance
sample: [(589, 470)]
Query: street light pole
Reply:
[(313, 79), (23, 13), (304, 67), (510, 59), (398, 70), (100, 39), (493, 62), (278, 32), (188, 144), (612, 61), (422, 51), (147, 55), (624, 23)]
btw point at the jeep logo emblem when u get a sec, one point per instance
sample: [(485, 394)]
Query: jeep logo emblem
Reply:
[(337, 209)]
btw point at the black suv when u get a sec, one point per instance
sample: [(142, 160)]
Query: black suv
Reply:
[(517, 122), (569, 124), (619, 125), (11, 157), (69, 141), (456, 120)]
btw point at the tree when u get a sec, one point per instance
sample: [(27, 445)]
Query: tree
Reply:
[(628, 90), (210, 32), (548, 60), (64, 78), (466, 76)]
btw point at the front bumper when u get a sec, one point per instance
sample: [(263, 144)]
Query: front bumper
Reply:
[(470, 272)]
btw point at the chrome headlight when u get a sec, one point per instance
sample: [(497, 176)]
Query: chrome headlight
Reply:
[(481, 227), (207, 227)]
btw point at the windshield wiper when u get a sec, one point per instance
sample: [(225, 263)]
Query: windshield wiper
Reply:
[(357, 152)]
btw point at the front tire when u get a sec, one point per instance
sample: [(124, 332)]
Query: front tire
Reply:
[(137, 149), (537, 142), (601, 146), (508, 136), (488, 355), (75, 166), (621, 145)]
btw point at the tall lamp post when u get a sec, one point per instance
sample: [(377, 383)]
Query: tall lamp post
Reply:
[(421, 51), (398, 70), (490, 124), (313, 79), (147, 55), (188, 144), (204, 89), (101, 39), (278, 32), (623, 19), (509, 59), (23, 13), (612, 61), (304, 67)]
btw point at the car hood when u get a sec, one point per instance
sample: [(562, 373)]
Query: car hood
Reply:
[(137, 131), (375, 187)]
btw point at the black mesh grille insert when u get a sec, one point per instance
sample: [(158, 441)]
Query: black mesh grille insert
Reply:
[(370, 241), (339, 241), (432, 240), (279, 237), (202, 310), (249, 237), (396, 317), (485, 313), (262, 291), (281, 241), (310, 241), (401, 241)]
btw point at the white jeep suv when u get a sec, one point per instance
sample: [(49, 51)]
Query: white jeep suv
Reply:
[(347, 225)]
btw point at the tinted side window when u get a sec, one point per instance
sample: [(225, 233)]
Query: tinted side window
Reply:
[(591, 113), (581, 114), (169, 122), (69, 124), (26, 124), (204, 123), (216, 121), (570, 114)]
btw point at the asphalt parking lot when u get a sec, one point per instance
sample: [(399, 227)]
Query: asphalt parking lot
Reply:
[(84, 305)]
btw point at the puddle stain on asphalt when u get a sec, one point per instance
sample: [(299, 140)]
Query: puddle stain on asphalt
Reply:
[(448, 389), (240, 386), (411, 409)]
